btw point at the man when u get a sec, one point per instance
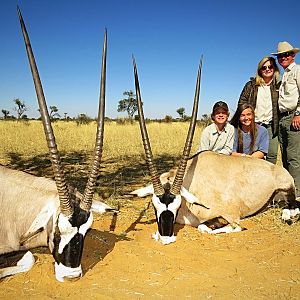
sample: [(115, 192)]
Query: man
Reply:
[(218, 137), (289, 106)]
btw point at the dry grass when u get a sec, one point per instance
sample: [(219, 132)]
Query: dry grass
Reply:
[(27, 139), (23, 147)]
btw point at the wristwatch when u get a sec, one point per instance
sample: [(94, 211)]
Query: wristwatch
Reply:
[(297, 113)]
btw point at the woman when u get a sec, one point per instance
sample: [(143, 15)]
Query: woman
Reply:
[(262, 93), (250, 138)]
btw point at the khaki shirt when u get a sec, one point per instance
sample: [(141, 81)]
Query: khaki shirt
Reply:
[(289, 91), (221, 142)]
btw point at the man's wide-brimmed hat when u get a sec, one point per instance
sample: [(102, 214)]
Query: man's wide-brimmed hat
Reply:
[(285, 47)]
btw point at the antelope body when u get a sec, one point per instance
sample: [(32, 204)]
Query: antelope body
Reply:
[(217, 185), (23, 197), (231, 187)]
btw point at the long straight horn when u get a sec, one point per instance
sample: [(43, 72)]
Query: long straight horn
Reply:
[(176, 186), (62, 189), (157, 186), (91, 184)]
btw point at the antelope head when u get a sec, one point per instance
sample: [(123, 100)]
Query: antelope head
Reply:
[(166, 198), (74, 217)]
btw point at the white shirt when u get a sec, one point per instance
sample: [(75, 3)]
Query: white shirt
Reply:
[(263, 109), (289, 90)]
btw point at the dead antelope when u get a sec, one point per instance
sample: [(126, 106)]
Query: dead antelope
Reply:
[(41, 212), (209, 185)]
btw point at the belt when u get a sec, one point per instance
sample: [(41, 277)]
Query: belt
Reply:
[(287, 113)]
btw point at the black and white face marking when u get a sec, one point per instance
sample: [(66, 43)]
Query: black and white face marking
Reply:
[(68, 243), (166, 208)]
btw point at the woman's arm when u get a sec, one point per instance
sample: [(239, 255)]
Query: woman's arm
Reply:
[(262, 142), (245, 94)]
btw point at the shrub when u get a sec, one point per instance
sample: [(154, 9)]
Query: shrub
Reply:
[(83, 119)]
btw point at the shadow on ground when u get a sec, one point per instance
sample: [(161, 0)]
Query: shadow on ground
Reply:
[(117, 178)]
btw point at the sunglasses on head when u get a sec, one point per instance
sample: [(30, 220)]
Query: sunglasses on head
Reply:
[(285, 54), (264, 68)]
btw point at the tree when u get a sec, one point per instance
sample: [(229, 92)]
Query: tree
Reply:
[(54, 112), (205, 120), (83, 119), (128, 104), (168, 119), (181, 112), (5, 113), (20, 107)]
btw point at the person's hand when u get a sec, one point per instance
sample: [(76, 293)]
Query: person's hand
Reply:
[(246, 155), (296, 122)]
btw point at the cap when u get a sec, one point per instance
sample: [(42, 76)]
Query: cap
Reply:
[(220, 104)]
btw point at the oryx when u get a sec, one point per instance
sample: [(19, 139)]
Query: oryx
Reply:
[(37, 211), (210, 185)]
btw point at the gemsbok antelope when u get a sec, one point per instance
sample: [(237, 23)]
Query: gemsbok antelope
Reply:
[(210, 185), (37, 211)]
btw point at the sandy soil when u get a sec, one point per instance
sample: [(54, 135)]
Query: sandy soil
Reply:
[(121, 261)]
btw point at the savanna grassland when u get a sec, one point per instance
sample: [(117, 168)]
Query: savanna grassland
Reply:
[(23, 146), (120, 260)]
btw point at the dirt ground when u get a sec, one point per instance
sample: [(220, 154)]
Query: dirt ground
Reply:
[(122, 261)]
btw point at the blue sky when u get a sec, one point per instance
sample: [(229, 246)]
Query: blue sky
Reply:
[(167, 39)]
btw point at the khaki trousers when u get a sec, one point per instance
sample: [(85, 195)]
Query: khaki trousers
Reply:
[(289, 140)]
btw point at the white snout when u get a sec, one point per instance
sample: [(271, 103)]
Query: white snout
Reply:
[(165, 240), (287, 214), (62, 272)]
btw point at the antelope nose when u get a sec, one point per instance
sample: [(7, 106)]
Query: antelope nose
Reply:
[(71, 278)]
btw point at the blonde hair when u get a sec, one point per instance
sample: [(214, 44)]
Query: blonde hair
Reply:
[(258, 77)]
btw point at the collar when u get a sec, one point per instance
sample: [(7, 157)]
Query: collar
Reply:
[(215, 131), (267, 84), (290, 67)]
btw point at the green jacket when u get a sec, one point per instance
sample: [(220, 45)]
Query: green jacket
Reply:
[(249, 95)]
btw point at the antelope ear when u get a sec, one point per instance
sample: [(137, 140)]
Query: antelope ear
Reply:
[(189, 197), (100, 207), (168, 177), (143, 192), (39, 223)]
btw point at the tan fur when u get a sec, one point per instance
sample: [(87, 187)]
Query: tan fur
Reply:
[(231, 187), (22, 197)]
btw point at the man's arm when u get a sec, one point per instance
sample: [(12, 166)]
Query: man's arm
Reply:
[(296, 119)]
